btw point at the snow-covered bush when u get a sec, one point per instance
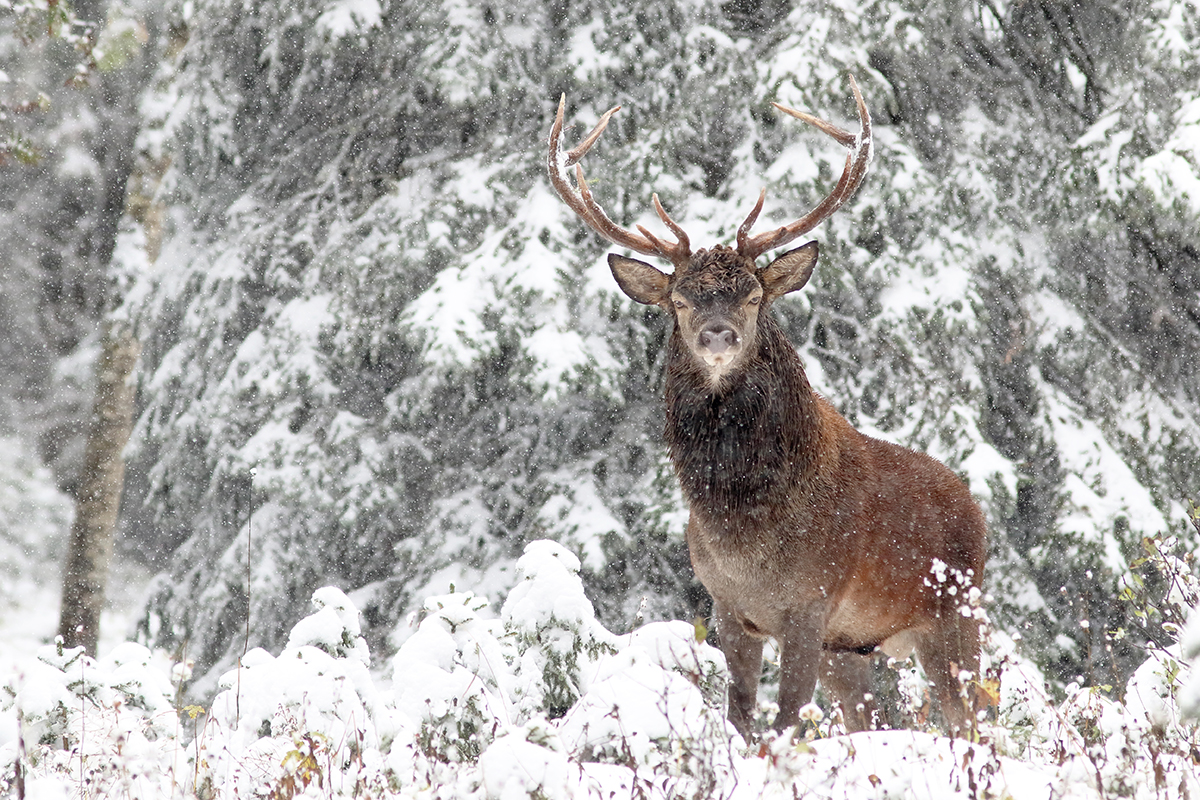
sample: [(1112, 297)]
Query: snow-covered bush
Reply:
[(103, 726), (553, 626), (447, 678), (286, 721), (472, 711)]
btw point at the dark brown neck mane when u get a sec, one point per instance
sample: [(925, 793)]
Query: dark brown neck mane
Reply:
[(740, 449)]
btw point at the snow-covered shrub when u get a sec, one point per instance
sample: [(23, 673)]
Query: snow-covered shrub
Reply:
[(473, 694), (1137, 747), (307, 715), (466, 716), (447, 677), (110, 723), (554, 629), (657, 705), (528, 761), (463, 678), (1025, 714)]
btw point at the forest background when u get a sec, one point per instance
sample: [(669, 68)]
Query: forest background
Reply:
[(377, 352)]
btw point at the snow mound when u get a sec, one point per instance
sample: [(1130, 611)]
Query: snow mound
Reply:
[(542, 701)]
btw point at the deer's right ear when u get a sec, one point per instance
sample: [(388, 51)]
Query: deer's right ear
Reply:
[(640, 281)]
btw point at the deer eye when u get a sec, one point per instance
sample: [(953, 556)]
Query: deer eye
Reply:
[(755, 300), (680, 304)]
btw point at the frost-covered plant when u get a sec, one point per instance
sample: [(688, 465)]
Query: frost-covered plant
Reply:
[(108, 723), (553, 629), (657, 705), (313, 710), (1161, 587), (1137, 748), (464, 719), (450, 678)]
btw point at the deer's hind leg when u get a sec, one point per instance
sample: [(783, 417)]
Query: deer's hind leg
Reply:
[(847, 677), (950, 653)]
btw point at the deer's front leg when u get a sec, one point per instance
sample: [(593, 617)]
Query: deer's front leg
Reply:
[(799, 659), (743, 656)]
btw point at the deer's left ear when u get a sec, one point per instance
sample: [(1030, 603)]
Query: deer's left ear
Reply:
[(789, 272)]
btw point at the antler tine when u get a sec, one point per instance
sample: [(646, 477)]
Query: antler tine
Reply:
[(580, 150), (858, 161), (844, 138), (682, 244), (585, 206), (558, 161), (744, 229)]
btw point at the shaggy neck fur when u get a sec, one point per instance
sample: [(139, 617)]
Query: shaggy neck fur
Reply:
[(739, 447)]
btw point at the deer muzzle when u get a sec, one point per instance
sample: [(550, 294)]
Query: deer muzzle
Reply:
[(718, 344), (718, 340)]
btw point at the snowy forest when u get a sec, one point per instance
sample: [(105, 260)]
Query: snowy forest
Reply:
[(382, 362)]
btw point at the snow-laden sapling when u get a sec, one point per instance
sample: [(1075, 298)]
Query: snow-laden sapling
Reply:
[(305, 716), (554, 628)]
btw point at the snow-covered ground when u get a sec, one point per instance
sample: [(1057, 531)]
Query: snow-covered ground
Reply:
[(530, 697), (534, 698)]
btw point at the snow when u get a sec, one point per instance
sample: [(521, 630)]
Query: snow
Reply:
[(542, 701), (985, 463), (34, 518), (1055, 317), (1172, 173), (514, 767), (1189, 645), (588, 60), (922, 287), (1100, 487), (576, 514), (449, 314), (78, 163), (344, 17), (511, 269)]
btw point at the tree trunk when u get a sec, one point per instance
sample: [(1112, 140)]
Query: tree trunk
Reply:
[(100, 487)]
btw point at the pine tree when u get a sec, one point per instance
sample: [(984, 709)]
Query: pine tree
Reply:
[(368, 294)]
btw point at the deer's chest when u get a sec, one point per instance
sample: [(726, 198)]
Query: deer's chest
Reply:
[(760, 574)]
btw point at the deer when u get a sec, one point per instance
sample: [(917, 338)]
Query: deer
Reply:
[(802, 529)]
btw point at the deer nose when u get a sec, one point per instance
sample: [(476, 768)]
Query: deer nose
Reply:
[(718, 338)]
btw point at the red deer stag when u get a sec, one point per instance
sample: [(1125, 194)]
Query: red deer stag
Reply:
[(801, 528)]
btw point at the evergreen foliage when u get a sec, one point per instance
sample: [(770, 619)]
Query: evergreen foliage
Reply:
[(379, 353), (70, 78)]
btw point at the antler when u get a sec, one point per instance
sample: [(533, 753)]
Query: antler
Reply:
[(583, 204), (858, 161)]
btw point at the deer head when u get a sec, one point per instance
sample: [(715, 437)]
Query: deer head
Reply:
[(715, 295)]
